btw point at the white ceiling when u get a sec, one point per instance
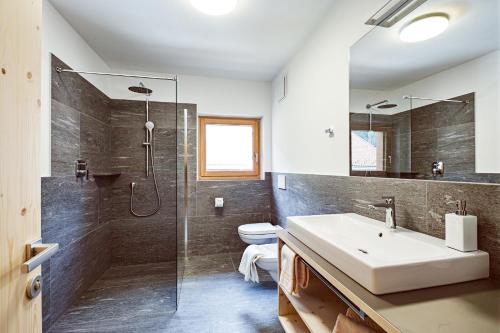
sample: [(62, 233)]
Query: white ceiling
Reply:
[(252, 42), (381, 61)]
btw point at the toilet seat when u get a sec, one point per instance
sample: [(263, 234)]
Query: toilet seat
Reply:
[(258, 236)]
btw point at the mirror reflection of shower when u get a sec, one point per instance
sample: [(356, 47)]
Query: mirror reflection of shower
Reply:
[(150, 152), (371, 135), (382, 105)]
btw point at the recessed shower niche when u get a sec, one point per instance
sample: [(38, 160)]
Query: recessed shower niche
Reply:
[(130, 140)]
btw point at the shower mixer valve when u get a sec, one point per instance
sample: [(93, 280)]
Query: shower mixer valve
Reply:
[(81, 170)]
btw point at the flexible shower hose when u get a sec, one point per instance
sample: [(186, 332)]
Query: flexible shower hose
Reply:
[(132, 185)]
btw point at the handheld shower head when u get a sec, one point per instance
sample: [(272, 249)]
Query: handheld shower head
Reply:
[(150, 126)]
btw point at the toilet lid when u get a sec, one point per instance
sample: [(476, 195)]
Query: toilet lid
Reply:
[(257, 229)]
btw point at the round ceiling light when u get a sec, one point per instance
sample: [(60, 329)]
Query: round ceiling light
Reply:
[(214, 7), (424, 27)]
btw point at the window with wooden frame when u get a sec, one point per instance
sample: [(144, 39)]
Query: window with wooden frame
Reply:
[(229, 148)]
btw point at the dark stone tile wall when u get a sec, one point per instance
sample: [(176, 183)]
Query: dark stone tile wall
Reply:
[(444, 131), (401, 143), (215, 230), (137, 240), (186, 183), (420, 204), (65, 138), (72, 274), (80, 123), (73, 213)]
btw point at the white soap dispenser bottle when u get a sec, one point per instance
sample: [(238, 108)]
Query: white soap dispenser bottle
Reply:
[(461, 229)]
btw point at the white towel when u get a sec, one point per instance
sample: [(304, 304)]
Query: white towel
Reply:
[(287, 269), (253, 253)]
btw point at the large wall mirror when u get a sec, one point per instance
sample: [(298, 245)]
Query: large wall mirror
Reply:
[(425, 92)]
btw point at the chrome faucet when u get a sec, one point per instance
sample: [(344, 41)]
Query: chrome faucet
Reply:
[(390, 211)]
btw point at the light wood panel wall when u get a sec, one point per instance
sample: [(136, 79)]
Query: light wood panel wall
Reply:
[(20, 90)]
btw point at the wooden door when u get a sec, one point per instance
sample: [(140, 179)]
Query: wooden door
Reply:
[(20, 89)]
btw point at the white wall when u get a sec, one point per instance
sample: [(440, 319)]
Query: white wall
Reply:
[(220, 97), (213, 96), (58, 37), (481, 75), (318, 95)]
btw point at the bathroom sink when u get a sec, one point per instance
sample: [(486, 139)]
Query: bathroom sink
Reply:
[(383, 260)]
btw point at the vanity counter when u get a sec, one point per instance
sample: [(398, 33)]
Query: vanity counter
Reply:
[(465, 307)]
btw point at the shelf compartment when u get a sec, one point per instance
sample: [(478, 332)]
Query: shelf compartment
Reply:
[(104, 179), (106, 174), (292, 323), (317, 306)]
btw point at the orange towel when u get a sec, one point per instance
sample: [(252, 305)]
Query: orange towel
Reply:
[(347, 325), (367, 321), (301, 275)]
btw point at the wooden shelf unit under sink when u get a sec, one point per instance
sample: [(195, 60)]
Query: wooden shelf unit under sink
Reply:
[(311, 310), (460, 308)]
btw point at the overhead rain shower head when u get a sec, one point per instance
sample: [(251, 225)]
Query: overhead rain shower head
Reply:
[(141, 89), (382, 105), (387, 106)]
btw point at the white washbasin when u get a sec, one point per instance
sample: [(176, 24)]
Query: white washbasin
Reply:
[(397, 260)]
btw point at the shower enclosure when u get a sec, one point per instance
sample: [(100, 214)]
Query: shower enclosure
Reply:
[(122, 223)]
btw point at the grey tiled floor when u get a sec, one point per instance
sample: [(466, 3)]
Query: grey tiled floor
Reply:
[(214, 299)]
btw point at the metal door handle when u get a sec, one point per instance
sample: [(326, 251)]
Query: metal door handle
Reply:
[(38, 253)]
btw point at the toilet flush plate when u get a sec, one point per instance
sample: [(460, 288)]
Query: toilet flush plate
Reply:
[(219, 202), (282, 182)]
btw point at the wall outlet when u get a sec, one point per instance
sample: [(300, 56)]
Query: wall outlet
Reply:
[(219, 202), (282, 182)]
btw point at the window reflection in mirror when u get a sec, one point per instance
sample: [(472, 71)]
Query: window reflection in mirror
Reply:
[(368, 153)]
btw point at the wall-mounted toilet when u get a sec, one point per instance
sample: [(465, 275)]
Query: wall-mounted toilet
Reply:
[(262, 234)]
